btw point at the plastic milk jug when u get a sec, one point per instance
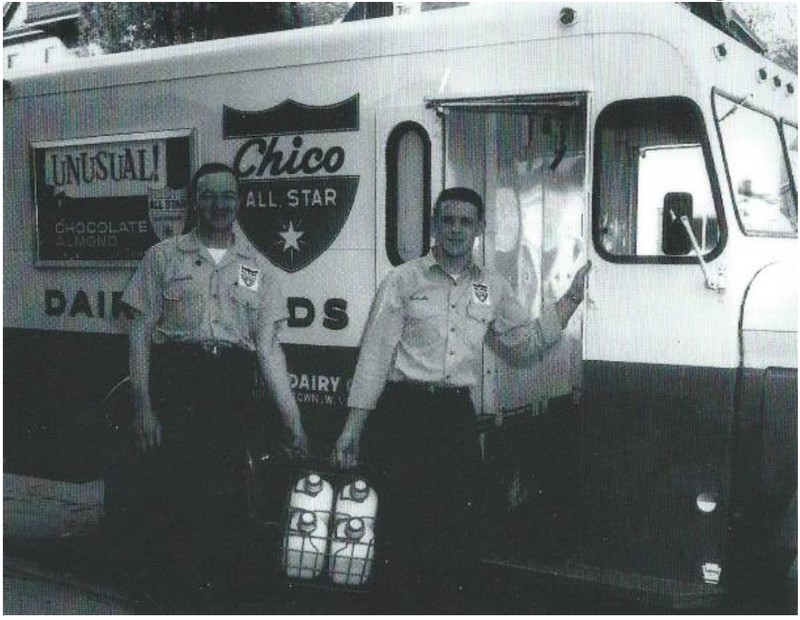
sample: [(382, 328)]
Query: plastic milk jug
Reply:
[(305, 543), (314, 494), (352, 549), (357, 499)]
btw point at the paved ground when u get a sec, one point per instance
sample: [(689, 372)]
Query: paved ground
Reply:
[(53, 552), (55, 561)]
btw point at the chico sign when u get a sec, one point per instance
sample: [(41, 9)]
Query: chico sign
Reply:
[(294, 204)]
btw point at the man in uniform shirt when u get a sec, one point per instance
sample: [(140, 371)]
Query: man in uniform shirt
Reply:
[(420, 356), (208, 310)]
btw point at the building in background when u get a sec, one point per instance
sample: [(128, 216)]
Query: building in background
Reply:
[(39, 33)]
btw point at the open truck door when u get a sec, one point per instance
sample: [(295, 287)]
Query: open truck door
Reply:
[(527, 157)]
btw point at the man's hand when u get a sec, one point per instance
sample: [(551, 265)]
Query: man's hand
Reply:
[(345, 452), (576, 289), (567, 305), (146, 429), (299, 444)]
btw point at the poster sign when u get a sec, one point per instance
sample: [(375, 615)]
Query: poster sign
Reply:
[(108, 199)]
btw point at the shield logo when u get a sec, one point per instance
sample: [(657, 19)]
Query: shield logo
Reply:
[(292, 222), (248, 276), (481, 292), (166, 209)]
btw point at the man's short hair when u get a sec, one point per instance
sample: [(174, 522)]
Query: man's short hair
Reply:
[(460, 194), (206, 169)]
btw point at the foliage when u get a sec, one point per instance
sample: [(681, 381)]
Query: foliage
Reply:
[(110, 27), (775, 24)]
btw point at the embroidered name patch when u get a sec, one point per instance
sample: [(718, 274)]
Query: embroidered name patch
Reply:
[(248, 276), (480, 293)]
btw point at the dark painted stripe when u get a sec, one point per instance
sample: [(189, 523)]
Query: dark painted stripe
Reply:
[(53, 385), (56, 426), (653, 437)]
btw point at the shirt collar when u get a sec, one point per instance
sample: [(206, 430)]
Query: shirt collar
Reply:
[(191, 243), (430, 263)]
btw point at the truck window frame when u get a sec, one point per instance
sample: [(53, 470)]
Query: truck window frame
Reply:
[(597, 176), (783, 122), (718, 92), (392, 189)]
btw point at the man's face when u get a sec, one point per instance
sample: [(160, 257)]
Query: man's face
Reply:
[(217, 201), (456, 226)]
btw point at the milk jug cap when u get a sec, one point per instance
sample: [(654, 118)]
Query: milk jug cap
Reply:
[(359, 490), (354, 528), (312, 484), (307, 522)]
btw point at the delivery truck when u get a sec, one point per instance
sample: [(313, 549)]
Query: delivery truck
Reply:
[(653, 451)]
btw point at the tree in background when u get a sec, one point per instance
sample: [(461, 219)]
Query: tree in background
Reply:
[(110, 27), (776, 25)]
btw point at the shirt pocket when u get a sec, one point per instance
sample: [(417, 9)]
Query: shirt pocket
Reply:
[(183, 307), (423, 323), (479, 317), (246, 309)]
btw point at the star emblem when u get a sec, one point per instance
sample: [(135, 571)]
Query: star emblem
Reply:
[(291, 237)]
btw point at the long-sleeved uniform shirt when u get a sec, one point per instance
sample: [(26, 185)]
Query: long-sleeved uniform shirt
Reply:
[(425, 326), (193, 299)]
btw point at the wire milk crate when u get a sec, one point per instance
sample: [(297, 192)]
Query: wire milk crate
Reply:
[(329, 537)]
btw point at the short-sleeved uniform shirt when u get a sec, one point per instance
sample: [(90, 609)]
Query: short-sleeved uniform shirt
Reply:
[(425, 326), (195, 300)]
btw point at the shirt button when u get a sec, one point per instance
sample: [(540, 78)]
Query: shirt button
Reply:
[(215, 296), (451, 353), (453, 306), (198, 262), (452, 329)]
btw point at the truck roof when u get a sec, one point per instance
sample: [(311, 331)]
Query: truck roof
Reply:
[(478, 24)]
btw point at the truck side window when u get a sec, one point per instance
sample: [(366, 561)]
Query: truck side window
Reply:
[(645, 150), (408, 192), (757, 169)]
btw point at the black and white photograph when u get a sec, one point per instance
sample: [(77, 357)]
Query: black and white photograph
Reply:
[(438, 308)]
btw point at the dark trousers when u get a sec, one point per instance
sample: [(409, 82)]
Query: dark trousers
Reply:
[(424, 448), (205, 405)]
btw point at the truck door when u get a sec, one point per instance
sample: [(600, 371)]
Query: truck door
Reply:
[(527, 158), (660, 348)]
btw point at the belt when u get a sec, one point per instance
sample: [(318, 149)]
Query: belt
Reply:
[(204, 349), (217, 349), (435, 389)]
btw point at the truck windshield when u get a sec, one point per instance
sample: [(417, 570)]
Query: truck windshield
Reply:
[(757, 169)]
